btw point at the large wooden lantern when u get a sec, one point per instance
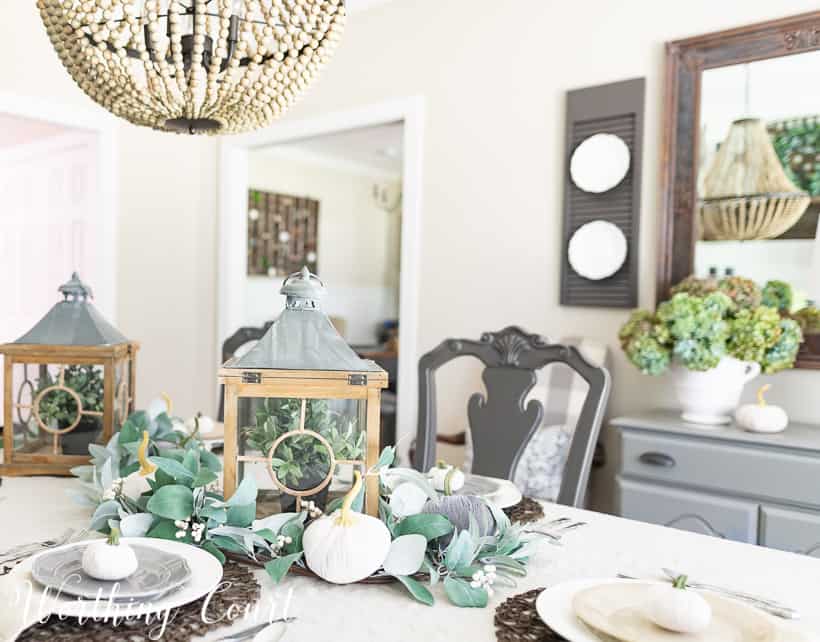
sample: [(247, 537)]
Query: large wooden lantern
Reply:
[(68, 382), (303, 406)]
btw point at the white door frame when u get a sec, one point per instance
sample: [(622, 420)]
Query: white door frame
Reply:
[(233, 199), (104, 125)]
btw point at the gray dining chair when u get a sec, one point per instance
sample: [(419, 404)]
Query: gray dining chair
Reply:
[(500, 424)]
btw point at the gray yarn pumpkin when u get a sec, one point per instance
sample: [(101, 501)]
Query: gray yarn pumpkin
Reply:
[(458, 508)]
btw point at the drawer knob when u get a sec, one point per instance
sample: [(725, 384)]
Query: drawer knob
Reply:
[(657, 459)]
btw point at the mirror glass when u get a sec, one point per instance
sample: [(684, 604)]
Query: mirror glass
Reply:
[(599, 163), (759, 172)]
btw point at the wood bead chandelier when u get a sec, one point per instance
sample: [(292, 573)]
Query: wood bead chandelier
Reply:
[(194, 66)]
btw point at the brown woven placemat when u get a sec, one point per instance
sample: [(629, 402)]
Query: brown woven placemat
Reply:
[(526, 511), (239, 587), (516, 620)]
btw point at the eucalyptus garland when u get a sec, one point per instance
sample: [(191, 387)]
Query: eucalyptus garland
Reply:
[(154, 480)]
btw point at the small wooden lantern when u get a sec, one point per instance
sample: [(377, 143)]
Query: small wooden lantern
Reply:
[(68, 382), (303, 405)]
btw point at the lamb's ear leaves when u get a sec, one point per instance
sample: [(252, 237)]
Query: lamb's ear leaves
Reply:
[(416, 589), (278, 568)]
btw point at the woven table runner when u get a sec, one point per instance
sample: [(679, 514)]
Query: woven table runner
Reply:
[(516, 620), (526, 511), (239, 588)]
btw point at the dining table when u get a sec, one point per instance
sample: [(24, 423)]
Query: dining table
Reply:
[(32, 509)]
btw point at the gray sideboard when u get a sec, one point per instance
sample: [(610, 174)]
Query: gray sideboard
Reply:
[(726, 482)]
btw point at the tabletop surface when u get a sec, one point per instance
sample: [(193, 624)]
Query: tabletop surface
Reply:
[(797, 436), (35, 508)]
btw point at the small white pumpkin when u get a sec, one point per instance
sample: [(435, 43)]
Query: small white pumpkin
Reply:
[(446, 479), (761, 417), (347, 546), (109, 559), (676, 608)]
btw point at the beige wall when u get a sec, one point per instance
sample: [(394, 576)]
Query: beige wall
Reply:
[(166, 278), (494, 75)]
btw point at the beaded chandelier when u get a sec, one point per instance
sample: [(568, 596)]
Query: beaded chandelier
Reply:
[(194, 66)]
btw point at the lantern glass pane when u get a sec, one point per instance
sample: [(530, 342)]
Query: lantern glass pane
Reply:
[(313, 460), (122, 392), (27, 437), (67, 409)]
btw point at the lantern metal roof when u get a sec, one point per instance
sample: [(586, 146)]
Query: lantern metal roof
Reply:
[(74, 321), (302, 338)]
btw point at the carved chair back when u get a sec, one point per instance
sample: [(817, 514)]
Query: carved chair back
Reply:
[(501, 425)]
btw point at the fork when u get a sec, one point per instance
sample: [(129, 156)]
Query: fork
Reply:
[(24, 550)]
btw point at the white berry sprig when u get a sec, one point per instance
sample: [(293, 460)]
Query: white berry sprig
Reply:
[(485, 579)]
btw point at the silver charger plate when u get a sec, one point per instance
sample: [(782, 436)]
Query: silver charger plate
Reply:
[(158, 573)]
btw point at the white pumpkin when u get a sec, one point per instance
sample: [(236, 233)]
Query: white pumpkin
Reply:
[(109, 559), (204, 424), (761, 417), (346, 546), (676, 608), (446, 479)]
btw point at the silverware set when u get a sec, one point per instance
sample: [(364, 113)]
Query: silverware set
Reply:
[(555, 529), (17, 553), (762, 603)]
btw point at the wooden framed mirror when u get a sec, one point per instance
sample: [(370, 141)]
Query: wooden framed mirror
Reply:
[(743, 87)]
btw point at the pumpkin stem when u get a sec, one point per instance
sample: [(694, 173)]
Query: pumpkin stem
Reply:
[(146, 467), (448, 480), (167, 399), (760, 400), (114, 537), (345, 517), (441, 464), (680, 582)]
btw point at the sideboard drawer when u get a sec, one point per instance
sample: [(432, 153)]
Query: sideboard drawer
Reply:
[(707, 463), (790, 530), (688, 510)]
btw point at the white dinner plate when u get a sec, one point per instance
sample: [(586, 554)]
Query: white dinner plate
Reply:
[(599, 163), (554, 607), (597, 250), (206, 574)]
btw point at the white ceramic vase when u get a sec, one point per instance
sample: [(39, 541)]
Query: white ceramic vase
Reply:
[(710, 398)]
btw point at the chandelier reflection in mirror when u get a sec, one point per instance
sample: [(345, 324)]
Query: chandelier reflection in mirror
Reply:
[(196, 66)]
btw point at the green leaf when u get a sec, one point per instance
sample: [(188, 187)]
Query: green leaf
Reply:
[(241, 515), (430, 525), (459, 551), (245, 494), (191, 461), (172, 468), (228, 544), (293, 529), (203, 478), (172, 502), (278, 568), (210, 461), (105, 511), (388, 455), (416, 589), (462, 594), (214, 550), (166, 529), (129, 433)]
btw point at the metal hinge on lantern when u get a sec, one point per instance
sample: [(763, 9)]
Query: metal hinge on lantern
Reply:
[(251, 377), (357, 380)]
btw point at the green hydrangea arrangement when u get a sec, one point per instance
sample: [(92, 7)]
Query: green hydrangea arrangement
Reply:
[(700, 325)]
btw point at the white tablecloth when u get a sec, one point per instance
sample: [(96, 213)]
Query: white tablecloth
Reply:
[(31, 509)]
